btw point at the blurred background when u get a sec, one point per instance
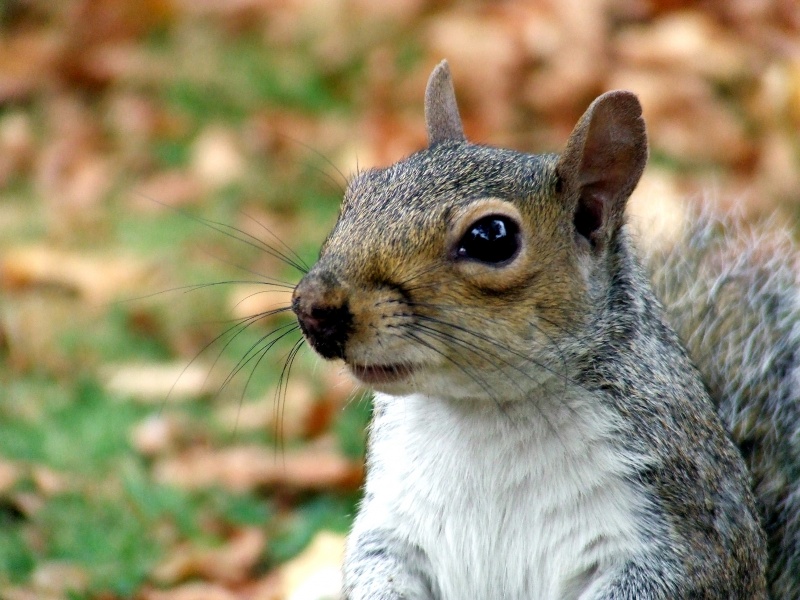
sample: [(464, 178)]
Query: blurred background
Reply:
[(151, 443)]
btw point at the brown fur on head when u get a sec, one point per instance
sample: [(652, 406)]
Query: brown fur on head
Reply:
[(399, 298)]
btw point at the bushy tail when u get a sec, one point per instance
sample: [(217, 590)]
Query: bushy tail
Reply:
[(731, 293)]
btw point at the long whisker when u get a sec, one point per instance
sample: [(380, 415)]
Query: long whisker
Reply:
[(199, 286), (479, 352), (323, 157), (485, 338), (413, 336), (231, 231), (289, 249), (281, 391), (256, 243), (445, 337), (254, 351), (238, 327)]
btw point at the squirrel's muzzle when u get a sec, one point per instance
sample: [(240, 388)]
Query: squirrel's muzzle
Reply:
[(323, 313)]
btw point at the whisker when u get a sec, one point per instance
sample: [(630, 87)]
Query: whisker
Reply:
[(254, 351), (280, 241), (323, 157), (228, 230), (257, 243), (199, 286), (239, 326), (552, 428), (460, 367), (281, 391), (521, 355)]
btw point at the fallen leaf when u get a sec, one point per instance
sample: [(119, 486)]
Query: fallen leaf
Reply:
[(298, 412), (217, 159), (158, 382), (98, 279), (244, 468), (687, 41), (59, 577), (9, 475), (26, 60), (48, 481), (316, 573), (191, 591), (232, 562), (174, 188), (156, 434)]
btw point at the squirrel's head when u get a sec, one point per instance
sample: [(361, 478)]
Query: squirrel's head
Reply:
[(460, 270)]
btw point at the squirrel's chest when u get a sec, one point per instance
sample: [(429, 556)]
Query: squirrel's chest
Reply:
[(506, 506)]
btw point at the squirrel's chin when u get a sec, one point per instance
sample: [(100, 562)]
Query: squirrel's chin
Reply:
[(379, 376)]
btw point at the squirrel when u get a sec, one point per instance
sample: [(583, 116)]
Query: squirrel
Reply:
[(556, 415)]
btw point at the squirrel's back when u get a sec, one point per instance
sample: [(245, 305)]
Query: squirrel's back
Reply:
[(731, 293)]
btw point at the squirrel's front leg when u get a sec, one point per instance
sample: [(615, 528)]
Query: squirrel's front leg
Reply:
[(650, 578), (380, 567)]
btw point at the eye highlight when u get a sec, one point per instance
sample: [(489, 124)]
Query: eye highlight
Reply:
[(493, 239)]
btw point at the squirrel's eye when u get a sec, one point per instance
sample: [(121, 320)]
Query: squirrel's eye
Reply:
[(493, 239)]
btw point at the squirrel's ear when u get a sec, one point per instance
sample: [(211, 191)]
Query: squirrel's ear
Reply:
[(441, 111), (604, 158)]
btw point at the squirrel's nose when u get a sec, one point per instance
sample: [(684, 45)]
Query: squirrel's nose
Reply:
[(324, 315)]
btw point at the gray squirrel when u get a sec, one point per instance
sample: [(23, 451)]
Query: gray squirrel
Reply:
[(540, 430)]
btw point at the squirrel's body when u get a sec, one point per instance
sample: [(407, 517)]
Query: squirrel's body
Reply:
[(540, 432), (436, 470)]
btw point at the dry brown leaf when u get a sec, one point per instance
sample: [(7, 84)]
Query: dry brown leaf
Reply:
[(777, 172), (16, 145), (27, 593), (96, 27), (316, 573), (29, 503), (568, 41), (59, 577), (483, 50), (159, 382), (48, 481), (191, 591), (268, 587), (9, 475), (243, 468), (173, 188), (298, 412), (95, 278), (157, 434), (217, 158), (26, 60), (230, 563), (685, 42)]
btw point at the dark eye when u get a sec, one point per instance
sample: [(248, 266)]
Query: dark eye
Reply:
[(493, 240)]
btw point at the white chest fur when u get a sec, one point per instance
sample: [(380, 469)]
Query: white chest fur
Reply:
[(529, 502)]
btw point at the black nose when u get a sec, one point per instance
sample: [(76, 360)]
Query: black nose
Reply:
[(324, 317)]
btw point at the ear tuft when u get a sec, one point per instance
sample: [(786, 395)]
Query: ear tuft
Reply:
[(602, 164), (441, 111)]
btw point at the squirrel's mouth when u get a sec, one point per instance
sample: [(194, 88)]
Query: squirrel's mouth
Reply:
[(381, 374)]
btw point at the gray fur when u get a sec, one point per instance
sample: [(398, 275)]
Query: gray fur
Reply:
[(731, 292)]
